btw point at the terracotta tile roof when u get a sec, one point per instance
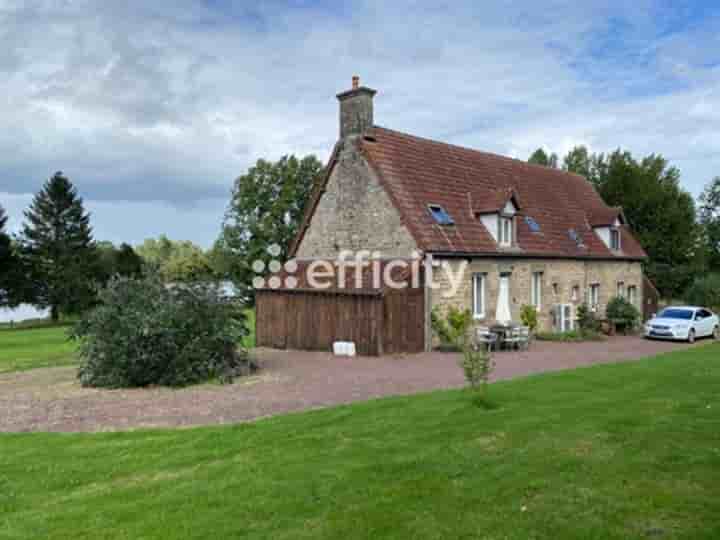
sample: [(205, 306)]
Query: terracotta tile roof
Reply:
[(491, 202), (599, 217), (418, 172)]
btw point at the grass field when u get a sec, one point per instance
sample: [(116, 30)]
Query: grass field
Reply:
[(45, 345), (616, 451), (28, 348)]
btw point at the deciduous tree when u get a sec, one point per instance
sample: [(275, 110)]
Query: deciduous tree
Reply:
[(540, 157), (709, 215), (121, 261), (266, 208), (579, 161), (176, 261)]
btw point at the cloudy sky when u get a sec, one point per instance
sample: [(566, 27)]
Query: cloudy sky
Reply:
[(153, 108)]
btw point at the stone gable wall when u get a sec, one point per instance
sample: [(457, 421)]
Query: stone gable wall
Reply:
[(355, 213)]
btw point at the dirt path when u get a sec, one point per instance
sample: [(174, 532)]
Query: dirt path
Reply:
[(52, 400)]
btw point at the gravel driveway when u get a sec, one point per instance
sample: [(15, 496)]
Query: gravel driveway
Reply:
[(52, 400)]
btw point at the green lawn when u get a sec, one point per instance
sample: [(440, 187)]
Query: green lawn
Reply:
[(249, 341), (44, 345), (29, 348), (617, 451)]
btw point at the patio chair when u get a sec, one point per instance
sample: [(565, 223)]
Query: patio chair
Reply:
[(518, 338), (486, 338), (524, 335)]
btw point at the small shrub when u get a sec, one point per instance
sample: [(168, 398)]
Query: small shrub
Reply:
[(144, 333), (477, 365), (622, 313), (704, 291), (451, 330), (586, 319), (573, 336), (529, 317)]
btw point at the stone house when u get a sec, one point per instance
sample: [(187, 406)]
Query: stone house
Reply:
[(496, 233)]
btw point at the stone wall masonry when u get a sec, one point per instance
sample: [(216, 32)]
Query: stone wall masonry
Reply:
[(355, 213), (558, 279)]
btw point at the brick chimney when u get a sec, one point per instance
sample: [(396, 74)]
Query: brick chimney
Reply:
[(356, 109)]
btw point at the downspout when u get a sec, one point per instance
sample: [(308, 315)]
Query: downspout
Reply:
[(427, 281)]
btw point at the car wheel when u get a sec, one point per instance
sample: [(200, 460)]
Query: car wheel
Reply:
[(691, 336)]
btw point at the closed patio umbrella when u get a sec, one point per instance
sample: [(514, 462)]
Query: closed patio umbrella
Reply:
[(502, 313)]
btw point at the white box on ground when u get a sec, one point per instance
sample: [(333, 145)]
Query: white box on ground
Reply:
[(344, 348)]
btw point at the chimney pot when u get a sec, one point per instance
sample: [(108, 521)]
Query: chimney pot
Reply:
[(355, 82)]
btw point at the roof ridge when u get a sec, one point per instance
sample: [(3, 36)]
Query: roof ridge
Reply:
[(492, 154)]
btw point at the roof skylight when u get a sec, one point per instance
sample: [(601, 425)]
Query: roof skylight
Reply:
[(440, 215), (534, 227)]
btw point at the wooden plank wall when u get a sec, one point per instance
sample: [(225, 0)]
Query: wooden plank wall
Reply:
[(311, 320), (651, 299), (404, 321)]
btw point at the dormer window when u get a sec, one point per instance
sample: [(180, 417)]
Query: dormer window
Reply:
[(439, 214), (505, 236), (610, 233)]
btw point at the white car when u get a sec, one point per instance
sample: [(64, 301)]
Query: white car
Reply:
[(684, 323)]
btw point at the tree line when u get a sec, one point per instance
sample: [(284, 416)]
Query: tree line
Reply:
[(54, 262), (681, 236)]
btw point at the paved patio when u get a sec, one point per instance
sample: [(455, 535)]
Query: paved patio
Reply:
[(52, 400)]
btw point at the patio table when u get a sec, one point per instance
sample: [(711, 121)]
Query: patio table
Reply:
[(502, 330)]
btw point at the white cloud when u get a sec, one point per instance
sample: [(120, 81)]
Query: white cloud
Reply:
[(154, 108)]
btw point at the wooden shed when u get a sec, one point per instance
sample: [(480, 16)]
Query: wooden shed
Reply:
[(651, 299), (378, 319)]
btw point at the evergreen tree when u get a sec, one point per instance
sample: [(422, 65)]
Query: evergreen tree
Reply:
[(9, 266), (58, 247)]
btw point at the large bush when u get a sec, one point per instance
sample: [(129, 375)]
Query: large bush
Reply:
[(705, 291), (587, 322), (145, 333), (622, 313)]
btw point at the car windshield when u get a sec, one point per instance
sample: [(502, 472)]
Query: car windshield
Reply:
[(684, 314)]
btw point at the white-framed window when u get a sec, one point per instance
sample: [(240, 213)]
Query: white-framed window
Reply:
[(632, 294), (479, 296), (536, 290), (615, 239), (505, 232), (594, 294), (621, 289), (575, 294)]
